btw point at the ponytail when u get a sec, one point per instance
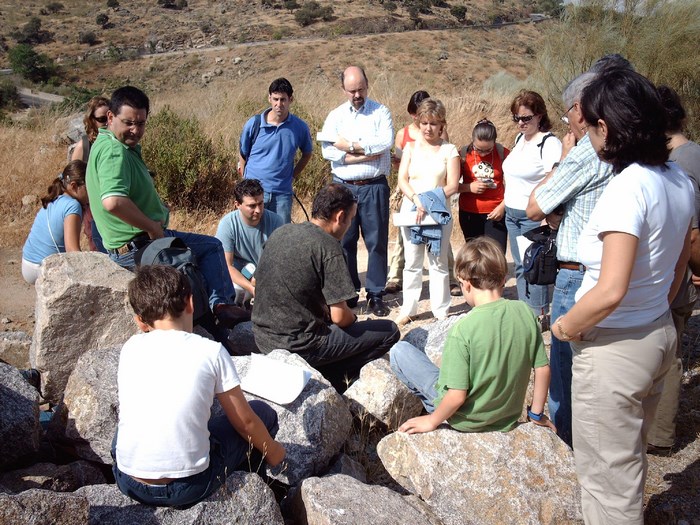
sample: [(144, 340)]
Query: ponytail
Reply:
[(55, 190), (73, 172)]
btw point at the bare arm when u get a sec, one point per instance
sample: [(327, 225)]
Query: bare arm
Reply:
[(619, 251), (77, 153), (452, 177), (125, 209), (236, 276), (303, 161), (680, 269), (71, 232), (405, 185), (249, 426), (695, 251), (448, 406), (342, 315)]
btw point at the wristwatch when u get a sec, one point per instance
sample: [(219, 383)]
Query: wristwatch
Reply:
[(352, 147)]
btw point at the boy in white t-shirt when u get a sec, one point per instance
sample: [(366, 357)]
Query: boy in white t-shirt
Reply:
[(167, 450)]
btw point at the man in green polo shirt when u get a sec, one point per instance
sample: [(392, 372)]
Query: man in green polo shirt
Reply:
[(127, 209)]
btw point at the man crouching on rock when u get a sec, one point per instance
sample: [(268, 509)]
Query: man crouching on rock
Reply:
[(303, 284), (167, 451)]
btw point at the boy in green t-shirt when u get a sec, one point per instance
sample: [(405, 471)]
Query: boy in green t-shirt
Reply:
[(487, 358)]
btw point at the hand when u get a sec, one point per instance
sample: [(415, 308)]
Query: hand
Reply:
[(156, 232), (567, 144), (497, 213), (342, 144), (557, 332), (478, 187), (554, 220), (421, 212), (696, 280), (545, 422), (418, 425), (275, 454)]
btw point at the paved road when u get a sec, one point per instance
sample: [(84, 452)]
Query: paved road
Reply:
[(35, 99)]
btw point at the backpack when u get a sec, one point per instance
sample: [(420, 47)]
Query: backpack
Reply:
[(255, 131), (540, 145), (540, 259), (172, 251)]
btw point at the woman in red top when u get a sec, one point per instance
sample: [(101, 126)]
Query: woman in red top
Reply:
[(481, 207)]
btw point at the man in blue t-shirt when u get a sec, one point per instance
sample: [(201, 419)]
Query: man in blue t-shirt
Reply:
[(243, 233), (268, 146)]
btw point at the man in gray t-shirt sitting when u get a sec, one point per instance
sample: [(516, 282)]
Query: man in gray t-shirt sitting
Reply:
[(303, 288), (243, 233)]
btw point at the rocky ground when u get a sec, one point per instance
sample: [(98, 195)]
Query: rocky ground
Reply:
[(672, 484)]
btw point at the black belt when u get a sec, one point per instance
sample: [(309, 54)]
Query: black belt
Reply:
[(137, 242), (360, 182)]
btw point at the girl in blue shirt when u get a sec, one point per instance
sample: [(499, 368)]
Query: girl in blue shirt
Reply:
[(56, 228)]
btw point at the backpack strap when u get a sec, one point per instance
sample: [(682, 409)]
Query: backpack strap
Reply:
[(500, 150), (517, 138), (541, 144)]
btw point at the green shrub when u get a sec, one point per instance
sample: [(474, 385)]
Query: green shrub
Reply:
[(459, 12), (113, 3), (102, 20), (9, 97), (54, 7), (190, 171), (311, 11), (31, 65), (87, 37), (31, 33)]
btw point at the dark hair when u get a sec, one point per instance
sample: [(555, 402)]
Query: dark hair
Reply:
[(484, 130), (415, 100), (675, 113), (158, 291), (89, 120), (609, 63), (636, 120), (73, 172), (481, 262), (129, 96), (247, 188), (535, 103), (281, 85), (331, 199), (342, 76)]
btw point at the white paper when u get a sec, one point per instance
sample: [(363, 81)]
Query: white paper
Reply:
[(523, 245), (408, 218), (274, 380)]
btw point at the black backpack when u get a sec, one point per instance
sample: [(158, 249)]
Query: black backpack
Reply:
[(540, 259), (172, 251)]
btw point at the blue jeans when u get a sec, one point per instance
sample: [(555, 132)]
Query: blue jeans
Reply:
[(517, 223), (228, 451), (212, 264), (279, 203), (372, 220), (415, 370), (560, 358)]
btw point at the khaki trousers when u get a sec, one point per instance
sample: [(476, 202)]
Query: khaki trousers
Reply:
[(618, 376)]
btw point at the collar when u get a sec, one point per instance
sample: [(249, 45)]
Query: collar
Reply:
[(111, 136), (266, 123)]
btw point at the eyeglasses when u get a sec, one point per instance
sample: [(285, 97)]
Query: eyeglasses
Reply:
[(101, 120), (565, 117), (132, 123), (524, 118), (482, 151)]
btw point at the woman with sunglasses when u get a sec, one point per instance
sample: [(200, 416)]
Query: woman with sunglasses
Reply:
[(481, 206), (95, 118), (635, 246), (536, 152), (56, 227)]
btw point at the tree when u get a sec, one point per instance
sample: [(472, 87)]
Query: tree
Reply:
[(31, 32), (31, 65)]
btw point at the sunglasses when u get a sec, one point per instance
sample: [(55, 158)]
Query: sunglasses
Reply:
[(101, 120), (524, 118)]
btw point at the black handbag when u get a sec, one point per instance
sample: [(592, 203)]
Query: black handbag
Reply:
[(540, 259)]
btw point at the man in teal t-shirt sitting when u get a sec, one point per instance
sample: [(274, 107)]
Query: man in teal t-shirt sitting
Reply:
[(487, 358), (127, 209)]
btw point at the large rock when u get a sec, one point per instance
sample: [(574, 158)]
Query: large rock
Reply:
[(81, 304), (431, 337), (378, 393), (43, 507), (59, 478), (313, 427), (87, 416), (245, 499), (14, 348), (19, 416), (525, 475), (343, 500), (348, 466), (242, 339)]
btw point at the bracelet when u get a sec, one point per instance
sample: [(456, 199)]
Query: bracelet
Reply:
[(564, 335), (533, 416)]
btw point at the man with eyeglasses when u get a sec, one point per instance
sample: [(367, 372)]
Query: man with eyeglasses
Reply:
[(360, 157), (302, 293), (127, 209), (574, 186)]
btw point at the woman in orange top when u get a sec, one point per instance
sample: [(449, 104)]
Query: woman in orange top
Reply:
[(481, 207)]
